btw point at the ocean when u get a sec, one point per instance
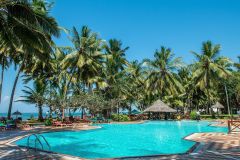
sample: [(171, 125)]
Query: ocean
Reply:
[(26, 116)]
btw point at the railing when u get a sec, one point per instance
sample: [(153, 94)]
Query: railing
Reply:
[(233, 126), (37, 139)]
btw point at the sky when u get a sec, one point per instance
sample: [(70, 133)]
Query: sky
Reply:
[(144, 26)]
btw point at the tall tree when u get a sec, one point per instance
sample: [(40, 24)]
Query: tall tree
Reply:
[(5, 63), (35, 96), (207, 69), (86, 59), (27, 28), (161, 78)]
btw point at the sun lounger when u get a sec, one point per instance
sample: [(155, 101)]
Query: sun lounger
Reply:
[(11, 124), (58, 124), (25, 126), (84, 120), (2, 126), (68, 123)]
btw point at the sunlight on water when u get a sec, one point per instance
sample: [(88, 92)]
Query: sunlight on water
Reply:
[(119, 140)]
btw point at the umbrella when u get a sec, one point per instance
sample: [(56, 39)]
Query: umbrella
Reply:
[(17, 113), (159, 106)]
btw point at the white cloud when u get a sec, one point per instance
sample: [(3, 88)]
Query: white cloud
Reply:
[(6, 98)]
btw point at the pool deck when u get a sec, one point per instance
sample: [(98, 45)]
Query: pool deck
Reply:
[(211, 146)]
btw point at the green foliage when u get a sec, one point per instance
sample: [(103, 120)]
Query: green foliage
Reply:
[(120, 117), (95, 74), (222, 116), (33, 121), (194, 115), (48, 122)]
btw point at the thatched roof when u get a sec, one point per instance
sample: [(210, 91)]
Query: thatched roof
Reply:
[(159, 106), (218, 105)]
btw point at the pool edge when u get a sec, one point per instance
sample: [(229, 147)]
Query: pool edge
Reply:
[(190, 150)]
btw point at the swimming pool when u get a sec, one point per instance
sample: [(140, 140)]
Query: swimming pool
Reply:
[(124, 140)]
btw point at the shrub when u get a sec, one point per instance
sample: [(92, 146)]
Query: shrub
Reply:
[(120, 117), (193, 115), (48, 122)]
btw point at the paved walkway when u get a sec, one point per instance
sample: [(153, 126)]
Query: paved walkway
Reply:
[(8, 152)]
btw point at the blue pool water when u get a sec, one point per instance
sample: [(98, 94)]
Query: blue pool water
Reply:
[(121, 140)]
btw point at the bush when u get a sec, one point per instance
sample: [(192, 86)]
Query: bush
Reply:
[(193, 115), (221, 116), (120, 117), (48, 122)]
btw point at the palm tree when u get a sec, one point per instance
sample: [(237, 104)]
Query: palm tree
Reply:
[(114, 70), (26, 28), (35, 96), (207, 69), (161, 79), (116, 60), (86, 59), (5, 63)]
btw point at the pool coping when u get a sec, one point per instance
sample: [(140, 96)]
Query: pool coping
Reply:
[(190, 150)]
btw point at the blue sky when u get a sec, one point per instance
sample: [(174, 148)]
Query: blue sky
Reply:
[(144, 26)]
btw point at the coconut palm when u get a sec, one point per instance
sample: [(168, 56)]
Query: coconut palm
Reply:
[(116, 60), (35, 96), (27, 23), (161, 79), (114, 70), (86, 59), (208, 68), (5, 63), (27, 28)]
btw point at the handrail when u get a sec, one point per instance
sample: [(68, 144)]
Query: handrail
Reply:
[(45, 141), (35, 141), (38, 139)]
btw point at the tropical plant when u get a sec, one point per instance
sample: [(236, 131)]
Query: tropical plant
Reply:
[(35, 96), (161, 78), (86, 59), (208, 69), (26, 28), (5, 63)]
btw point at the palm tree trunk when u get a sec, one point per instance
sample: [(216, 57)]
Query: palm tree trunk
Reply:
[(1, 83), (50, 111), (40, 113), (82, 114), (118, 111), (209, 103), (226, 92), (13, 92), (90, 89), (130, 109), (66, 89)]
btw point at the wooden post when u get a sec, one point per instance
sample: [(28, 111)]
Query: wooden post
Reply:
[(229, 127)]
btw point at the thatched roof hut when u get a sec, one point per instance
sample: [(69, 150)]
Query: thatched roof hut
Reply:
[(159, 106), (218, 106)]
